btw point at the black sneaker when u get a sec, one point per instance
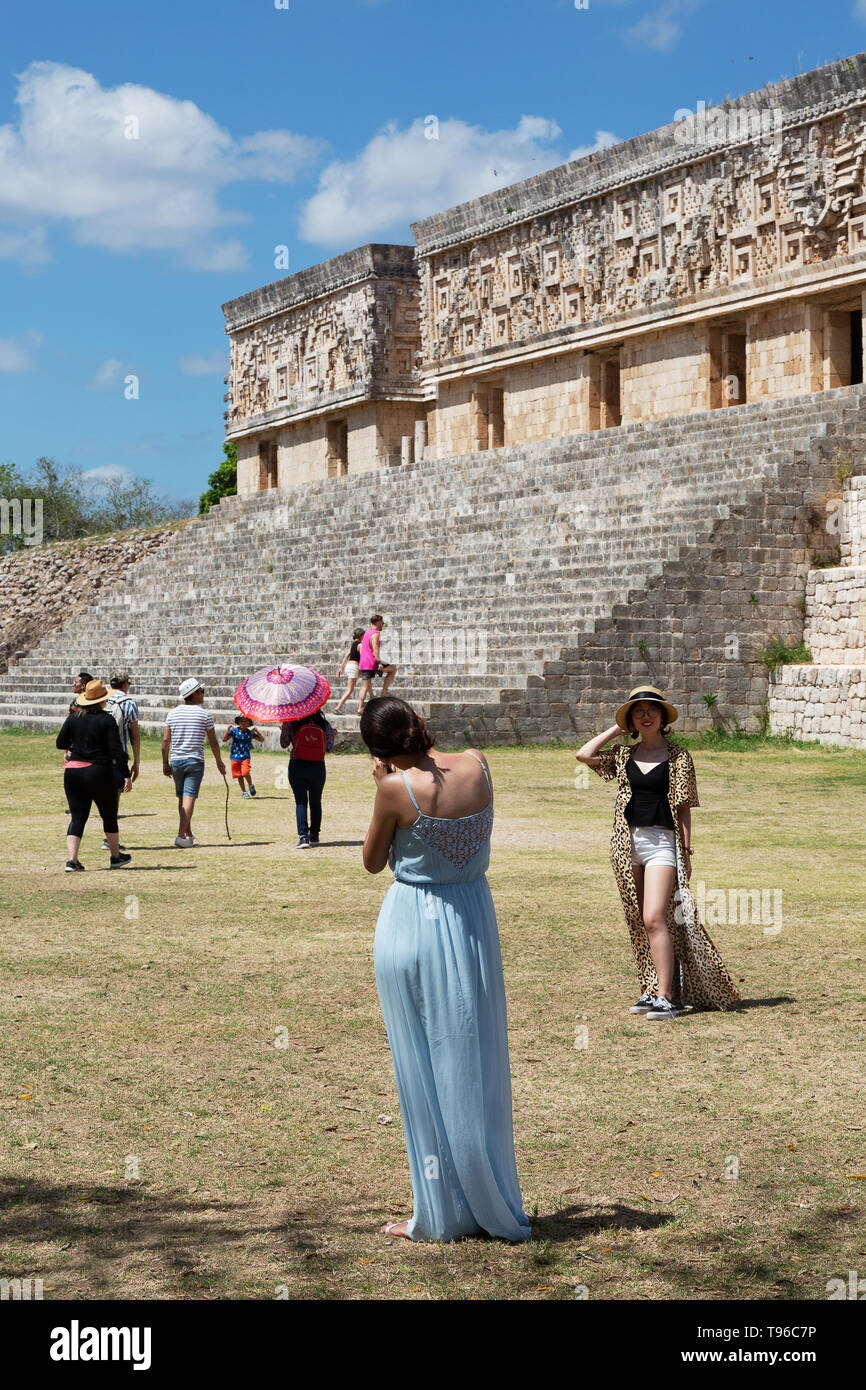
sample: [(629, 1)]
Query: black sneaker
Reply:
[(303, 842), (120, 862), (661, 1008), (314, 839), (74, 867), (643, 1005)]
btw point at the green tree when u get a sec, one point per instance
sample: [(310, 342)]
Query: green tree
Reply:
[(223, 482)]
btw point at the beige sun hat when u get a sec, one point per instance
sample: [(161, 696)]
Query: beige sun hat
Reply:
[(645, 692), (94, 693)]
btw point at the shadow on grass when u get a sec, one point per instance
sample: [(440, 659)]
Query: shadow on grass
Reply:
[(577, 1222), (772, 1001), (137, 1242)]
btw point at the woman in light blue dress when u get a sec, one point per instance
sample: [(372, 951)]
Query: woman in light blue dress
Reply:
[(439, 975)]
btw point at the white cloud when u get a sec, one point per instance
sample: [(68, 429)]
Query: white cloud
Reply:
[(662, 29), (16, 354), (603, 141), (108, 474), (108, 377), (205, 364), (401, 175), (129, 168)]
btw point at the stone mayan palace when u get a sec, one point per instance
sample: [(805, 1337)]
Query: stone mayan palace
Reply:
[(712, 263), (599, 428)]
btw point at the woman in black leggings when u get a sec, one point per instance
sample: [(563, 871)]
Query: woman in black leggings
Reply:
[(95, 750), (308, 739)]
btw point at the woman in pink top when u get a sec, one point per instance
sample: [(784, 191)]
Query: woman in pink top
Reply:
[(370, 665)]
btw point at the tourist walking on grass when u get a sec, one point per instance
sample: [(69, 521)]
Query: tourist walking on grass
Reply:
[(439, 976), (186, 728), (124, 711), (651, 850), (370, 664), (242, 733), (310, 739), (78, 686), (351, 664), (94, 754)]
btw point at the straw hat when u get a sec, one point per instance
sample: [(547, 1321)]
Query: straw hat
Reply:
[(94, 693), (644, 692)]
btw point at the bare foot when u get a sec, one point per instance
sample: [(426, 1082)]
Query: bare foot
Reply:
[(395, 1228)]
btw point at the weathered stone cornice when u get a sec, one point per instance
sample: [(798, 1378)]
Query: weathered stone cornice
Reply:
[(374, 261), (801, 100)]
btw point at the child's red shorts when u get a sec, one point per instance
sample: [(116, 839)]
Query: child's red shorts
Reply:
[(241, 769)]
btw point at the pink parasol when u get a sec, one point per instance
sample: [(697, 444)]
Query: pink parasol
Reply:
[(282, 692)]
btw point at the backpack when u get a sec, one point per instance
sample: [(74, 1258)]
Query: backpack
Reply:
[(310, 743)]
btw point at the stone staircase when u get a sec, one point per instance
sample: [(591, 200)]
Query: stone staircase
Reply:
[(826, 700), (490, 568)]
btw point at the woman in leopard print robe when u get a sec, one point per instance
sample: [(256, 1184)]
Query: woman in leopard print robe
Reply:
[(700, 979)]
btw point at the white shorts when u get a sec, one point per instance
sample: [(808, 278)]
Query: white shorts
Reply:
[(351, 670), (653, 844)]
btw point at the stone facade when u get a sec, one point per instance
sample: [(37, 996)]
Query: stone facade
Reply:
[(715, 261), (323, 370)]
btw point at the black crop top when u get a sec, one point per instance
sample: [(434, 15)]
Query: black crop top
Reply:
[(649, 795), (354, 652)]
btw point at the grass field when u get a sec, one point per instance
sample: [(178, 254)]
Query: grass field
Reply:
[(198, 1099)]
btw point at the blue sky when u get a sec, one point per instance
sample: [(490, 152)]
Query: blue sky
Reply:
[(153, 156)]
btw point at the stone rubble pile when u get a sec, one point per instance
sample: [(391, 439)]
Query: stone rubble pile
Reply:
[(43, 586)]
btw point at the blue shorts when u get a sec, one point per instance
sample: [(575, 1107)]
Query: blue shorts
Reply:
[(187, 773)]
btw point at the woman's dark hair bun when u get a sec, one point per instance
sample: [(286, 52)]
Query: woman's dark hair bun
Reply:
[(391, 728)]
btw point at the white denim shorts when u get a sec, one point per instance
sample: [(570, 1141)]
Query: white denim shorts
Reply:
[(653, 844), (351, 670)]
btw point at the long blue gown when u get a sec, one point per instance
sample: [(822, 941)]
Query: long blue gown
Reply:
[(439, 976)]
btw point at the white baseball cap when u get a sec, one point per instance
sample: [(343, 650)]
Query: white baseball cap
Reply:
[(188, 686)]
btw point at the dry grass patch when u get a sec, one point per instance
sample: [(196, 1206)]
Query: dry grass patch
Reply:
[(150, 1045)]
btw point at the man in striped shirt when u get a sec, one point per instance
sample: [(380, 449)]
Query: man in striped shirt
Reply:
[(186, 728)]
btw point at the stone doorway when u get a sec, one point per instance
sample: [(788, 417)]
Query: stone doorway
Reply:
[(488, 407), (727, 365), (338, 448), (267, 464), (610, 406)]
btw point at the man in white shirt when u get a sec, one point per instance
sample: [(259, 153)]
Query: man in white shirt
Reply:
[(186, 728)]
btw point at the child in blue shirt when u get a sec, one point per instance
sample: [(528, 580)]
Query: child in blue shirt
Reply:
[(242, 733)]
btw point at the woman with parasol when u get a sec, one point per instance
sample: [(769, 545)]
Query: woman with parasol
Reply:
[(292, 696)]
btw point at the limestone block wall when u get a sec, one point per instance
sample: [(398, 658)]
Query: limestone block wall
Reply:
[(836, 615), (665, 373), (776, 352), (450, 422), (852, 540), (546, 397), (826, 700), (825, 704), (248, 465)]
